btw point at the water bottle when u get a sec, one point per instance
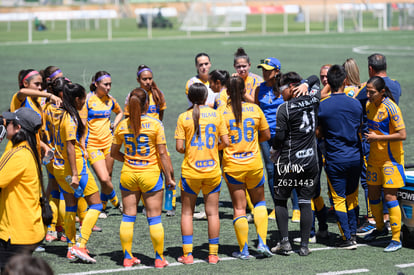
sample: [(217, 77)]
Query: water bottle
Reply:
[(168, 199), (48, 157), (79, 191), (3, 132)]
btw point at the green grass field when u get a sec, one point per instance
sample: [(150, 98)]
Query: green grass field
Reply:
[(172, 60)]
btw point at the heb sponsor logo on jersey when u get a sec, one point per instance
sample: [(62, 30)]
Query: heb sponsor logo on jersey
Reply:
[(243, 155), (304, 153), (205, 163), (138, 162), (373, 125), (388, 171)]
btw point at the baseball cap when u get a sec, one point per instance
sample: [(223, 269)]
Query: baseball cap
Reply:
[(270, 63), (25, 117)]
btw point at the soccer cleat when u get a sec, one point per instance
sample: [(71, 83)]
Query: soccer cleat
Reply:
[(272, 215), (62, 237), (354, 239), (296, 216), (240, 255), (171, 213), (103, 215), (186, 260), (346, 244), (160, 263), (388, 225), (299, 239), (250, 218), (120, 207), (96, 229), (200, 216), (69, 255), (282, 248), (51, 236), (376, 233), (393, 246), (131, 262), (40, 249), (365, 229), (264, 250), (304, 251), (213, 259), (82, 254)]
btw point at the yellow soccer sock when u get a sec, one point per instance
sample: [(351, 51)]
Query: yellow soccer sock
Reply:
[(70, 226), (261, 221), (82, 208), (157, 236), (113, 198), (62, 211), (241, 227), (54, 204), (126, 234), (395, 219), (89, 222), (376, 208), (213, 246), (187, 245)]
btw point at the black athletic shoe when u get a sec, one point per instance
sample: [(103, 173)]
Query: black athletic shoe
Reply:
[(304, 251), (346, 244)]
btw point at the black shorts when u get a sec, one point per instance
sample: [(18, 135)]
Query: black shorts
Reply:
[(305, 183), (8, 250)]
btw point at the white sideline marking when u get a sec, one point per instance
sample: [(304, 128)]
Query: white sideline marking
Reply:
[(345, 272), (227, 259), (404, 265), (387, 50)]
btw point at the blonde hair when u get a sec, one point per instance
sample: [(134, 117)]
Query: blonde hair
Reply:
[(352, 72)]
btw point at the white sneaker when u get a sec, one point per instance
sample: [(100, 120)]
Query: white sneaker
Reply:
[(200, 215), (299, 239), (103, 215)]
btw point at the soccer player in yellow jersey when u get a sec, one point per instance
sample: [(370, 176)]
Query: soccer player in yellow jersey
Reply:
[(243, 166), (72, 173), (251, 81), (385, 169), (197, 135), (21, 224), (145, 151), (218, 80), (99, 106)]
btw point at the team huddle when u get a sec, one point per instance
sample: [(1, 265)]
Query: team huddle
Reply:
[(248, 130)]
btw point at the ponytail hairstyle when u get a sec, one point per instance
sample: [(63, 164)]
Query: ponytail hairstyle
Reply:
[(197, 94), (97, 78), (236, 91), (137, 100), (70, 93), (57, 85), (30, 137), (379, 85), (221, 75), (26, 75), (240, 54), (157, 95), (47, 75)]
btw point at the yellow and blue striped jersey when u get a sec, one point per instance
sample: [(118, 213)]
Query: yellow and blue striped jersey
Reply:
[(385, 120), (201, 158), (99, 120), (66, 130), (251, 82), (243, 153), (153, 109), (140, 152)]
